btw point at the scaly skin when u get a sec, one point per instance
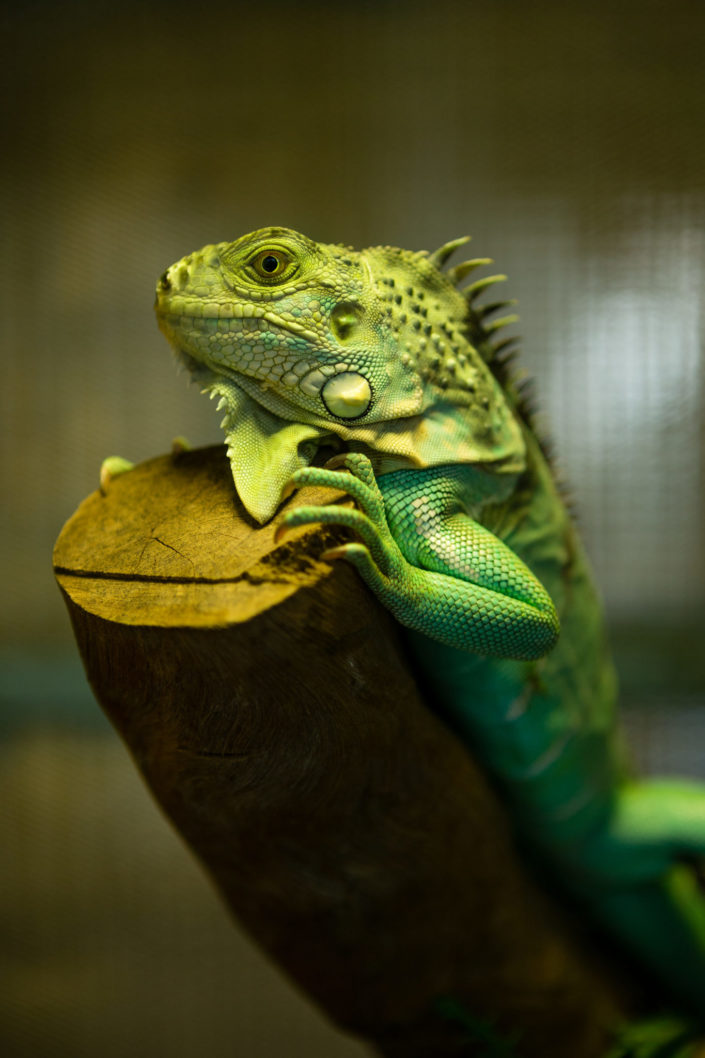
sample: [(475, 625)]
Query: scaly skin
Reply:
[(462, 535)]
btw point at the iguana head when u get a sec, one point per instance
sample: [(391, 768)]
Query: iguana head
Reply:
[(304, 342)]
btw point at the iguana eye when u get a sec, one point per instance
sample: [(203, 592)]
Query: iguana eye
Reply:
[(271, 264)]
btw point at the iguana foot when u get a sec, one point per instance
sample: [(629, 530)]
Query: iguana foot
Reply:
[(654, 824), (667, 1035), (111, 468), (378, 558), (179, 445)]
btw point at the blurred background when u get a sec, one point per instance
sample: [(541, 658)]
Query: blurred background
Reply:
[(569, 140)]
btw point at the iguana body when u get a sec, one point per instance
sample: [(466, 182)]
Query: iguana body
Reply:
[(462, 535)]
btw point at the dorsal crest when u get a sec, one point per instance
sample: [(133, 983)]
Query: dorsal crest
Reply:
[(500, 353)]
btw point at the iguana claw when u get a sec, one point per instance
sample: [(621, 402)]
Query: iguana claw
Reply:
[(179, 445), (378, 550)]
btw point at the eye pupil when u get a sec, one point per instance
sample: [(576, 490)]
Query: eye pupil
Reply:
[(270, 263)]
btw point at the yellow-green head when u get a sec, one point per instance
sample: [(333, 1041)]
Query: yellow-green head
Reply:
[(304, 341)]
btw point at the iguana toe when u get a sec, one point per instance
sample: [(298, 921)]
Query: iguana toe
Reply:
[(179, 445), (111, 468)]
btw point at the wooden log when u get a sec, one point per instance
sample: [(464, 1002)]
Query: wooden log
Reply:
[(264, 695)]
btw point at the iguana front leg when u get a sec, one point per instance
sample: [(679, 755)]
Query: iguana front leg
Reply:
[(437, 570)]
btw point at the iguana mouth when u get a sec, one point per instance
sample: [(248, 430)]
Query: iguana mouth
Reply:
[(180, 310)]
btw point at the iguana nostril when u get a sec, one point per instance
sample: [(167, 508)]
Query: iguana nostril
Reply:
[(164, 282)]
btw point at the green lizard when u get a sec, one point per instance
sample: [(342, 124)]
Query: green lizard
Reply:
[(461, 533)]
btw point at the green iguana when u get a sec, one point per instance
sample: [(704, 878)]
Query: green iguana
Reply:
[(463, 536)]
